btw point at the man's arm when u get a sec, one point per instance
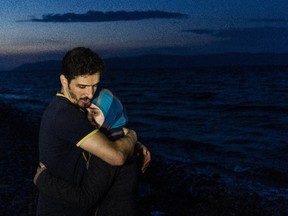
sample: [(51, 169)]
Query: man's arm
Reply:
[(113, 152)]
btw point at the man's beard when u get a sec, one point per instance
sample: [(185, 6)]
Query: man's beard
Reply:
[(81, 102)]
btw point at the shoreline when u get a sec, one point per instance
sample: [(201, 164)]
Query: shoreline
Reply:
[(164, 189)]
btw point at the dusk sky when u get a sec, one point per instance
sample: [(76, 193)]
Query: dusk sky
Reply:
[(42, 30)]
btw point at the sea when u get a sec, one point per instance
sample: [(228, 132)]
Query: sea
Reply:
[(226, 121)]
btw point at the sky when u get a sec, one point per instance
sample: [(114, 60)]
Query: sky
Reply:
[(41, 30)]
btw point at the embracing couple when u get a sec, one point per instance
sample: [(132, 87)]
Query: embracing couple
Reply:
[(88, 159)]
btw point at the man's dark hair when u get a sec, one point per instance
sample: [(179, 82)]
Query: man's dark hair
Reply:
[(81, 61)]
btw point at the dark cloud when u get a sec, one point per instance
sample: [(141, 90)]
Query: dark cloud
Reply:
[(200, 31), (264, 39), (97, 16)]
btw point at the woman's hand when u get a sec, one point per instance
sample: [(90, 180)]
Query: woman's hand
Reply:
[(95, 115), (39, 170)]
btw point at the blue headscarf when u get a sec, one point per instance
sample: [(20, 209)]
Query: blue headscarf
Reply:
[(112, 109)]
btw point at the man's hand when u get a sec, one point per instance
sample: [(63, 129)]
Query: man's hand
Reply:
[(131, 133), (144, 154)]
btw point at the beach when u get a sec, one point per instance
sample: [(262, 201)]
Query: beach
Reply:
[(19, 155), (165, 188)]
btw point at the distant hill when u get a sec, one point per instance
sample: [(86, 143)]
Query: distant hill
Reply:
[(38, 66), (172, 61)]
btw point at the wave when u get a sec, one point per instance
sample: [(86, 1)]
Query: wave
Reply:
[(232, 123)]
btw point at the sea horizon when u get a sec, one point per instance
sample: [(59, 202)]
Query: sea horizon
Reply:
[(230, 59)]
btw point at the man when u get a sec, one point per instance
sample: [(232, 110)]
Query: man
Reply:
[(66, 135)]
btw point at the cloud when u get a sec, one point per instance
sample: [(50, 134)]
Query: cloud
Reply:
[(262, 39), (97, 16), (200, 31)]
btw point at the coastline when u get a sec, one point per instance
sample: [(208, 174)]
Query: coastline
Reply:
[(165, 188)]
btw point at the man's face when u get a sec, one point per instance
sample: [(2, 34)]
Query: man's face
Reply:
[(80, 90)]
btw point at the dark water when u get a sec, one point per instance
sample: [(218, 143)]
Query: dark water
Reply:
[(230, 122)]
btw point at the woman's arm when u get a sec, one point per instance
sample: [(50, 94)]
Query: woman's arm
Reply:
[(96, 181)]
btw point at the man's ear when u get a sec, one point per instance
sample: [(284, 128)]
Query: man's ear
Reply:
[(63, 80)]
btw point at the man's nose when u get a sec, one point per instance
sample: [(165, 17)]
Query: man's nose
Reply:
[(90, 92)]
